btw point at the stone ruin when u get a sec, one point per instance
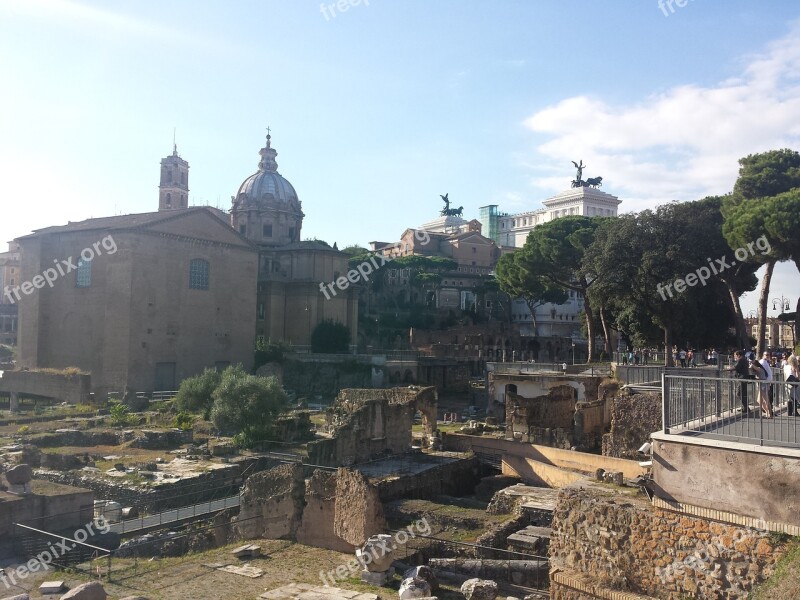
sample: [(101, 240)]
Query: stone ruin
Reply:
[(558, 418), (338, 511), (368, 424)]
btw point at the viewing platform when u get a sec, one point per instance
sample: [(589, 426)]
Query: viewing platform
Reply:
[(717, 459)]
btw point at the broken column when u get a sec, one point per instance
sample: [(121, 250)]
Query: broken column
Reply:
[(14, 402), (376, 556)]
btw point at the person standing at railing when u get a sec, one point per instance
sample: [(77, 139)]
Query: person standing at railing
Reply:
[(741, 371), (759, 372), (791, 375), (765, 363)]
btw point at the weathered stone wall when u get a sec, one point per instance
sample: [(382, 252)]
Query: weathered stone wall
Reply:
[(457, 478), (48, 506), (310, 378), (66, 388), (553, 410), (626, 544), (189, 490), (558, 419), (358, 511), (366, 424), (319, 515), (271, 503), (633, 418)]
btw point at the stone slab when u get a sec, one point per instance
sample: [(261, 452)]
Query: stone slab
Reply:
[(51, 587), (245, 570), (300, 591)]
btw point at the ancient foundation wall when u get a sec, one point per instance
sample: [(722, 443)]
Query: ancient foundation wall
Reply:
[(624, 544), (633, 418), (450, 479), (66, 388)]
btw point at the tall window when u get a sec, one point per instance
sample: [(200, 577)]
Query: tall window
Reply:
[(198, 274), (83, 275), (267, 230)]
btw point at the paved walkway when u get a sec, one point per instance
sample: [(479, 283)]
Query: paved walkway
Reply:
[(303, 591)]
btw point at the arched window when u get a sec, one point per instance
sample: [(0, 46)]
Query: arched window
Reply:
[(198, 274)]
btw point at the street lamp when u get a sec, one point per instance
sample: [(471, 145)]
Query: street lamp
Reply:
[(785, 307), (784, 303)]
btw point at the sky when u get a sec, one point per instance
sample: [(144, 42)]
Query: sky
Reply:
[(377, 107)]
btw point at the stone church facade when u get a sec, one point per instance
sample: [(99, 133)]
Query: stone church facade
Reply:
[(169, 293)]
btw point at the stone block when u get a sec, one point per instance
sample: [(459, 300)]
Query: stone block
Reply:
[(247, 551), (479, 589), (87, 591), (19, 475), (414, 588), (378, 578), (51, 587), (423, 572)]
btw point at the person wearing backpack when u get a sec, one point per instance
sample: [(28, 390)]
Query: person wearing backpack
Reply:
[(758, 372)]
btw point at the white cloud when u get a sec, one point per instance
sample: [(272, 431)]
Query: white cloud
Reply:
[(681, 144)]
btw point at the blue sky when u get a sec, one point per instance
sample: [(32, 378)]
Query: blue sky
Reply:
[(377, 110)]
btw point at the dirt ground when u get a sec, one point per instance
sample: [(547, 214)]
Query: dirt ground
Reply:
[(190, 577)]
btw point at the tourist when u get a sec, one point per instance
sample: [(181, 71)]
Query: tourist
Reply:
[(758, 372), (791, 375), (682, 357), (742, 371), (690, 358), (765, 362), (714, 357)]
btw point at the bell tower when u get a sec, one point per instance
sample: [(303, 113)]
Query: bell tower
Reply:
[(173, 191)]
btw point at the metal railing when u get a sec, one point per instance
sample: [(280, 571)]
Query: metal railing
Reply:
[(171, 517), (732, 409)]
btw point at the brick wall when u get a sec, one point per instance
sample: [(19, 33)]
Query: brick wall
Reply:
[(624, 544)]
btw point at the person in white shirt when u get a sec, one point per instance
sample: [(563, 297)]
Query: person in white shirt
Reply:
[(791, 375), (765, 386)]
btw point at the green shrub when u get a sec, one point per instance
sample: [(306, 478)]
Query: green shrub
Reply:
[(330, 337), (247, 405), (183, 420), (196, 393), (24, 429), (121, 415)]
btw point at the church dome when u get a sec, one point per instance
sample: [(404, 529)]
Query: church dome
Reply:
[(267, 183)]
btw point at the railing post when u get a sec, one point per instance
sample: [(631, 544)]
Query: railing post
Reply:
[(665, 401)]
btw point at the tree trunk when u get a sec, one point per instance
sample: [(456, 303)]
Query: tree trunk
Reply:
[(587, 308), (606, 332), (741, 327), (668, 348), (762, 309), (532, 307)]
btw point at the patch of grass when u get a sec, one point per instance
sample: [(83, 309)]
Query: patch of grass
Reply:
[(785, 582)]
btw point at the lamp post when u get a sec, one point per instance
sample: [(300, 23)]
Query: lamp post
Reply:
[(783, 302)]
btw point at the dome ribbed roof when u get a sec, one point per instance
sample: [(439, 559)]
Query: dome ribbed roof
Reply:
[(270, 184), (267, 182)]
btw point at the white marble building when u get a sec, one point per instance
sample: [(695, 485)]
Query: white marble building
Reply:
[(511, 231)]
